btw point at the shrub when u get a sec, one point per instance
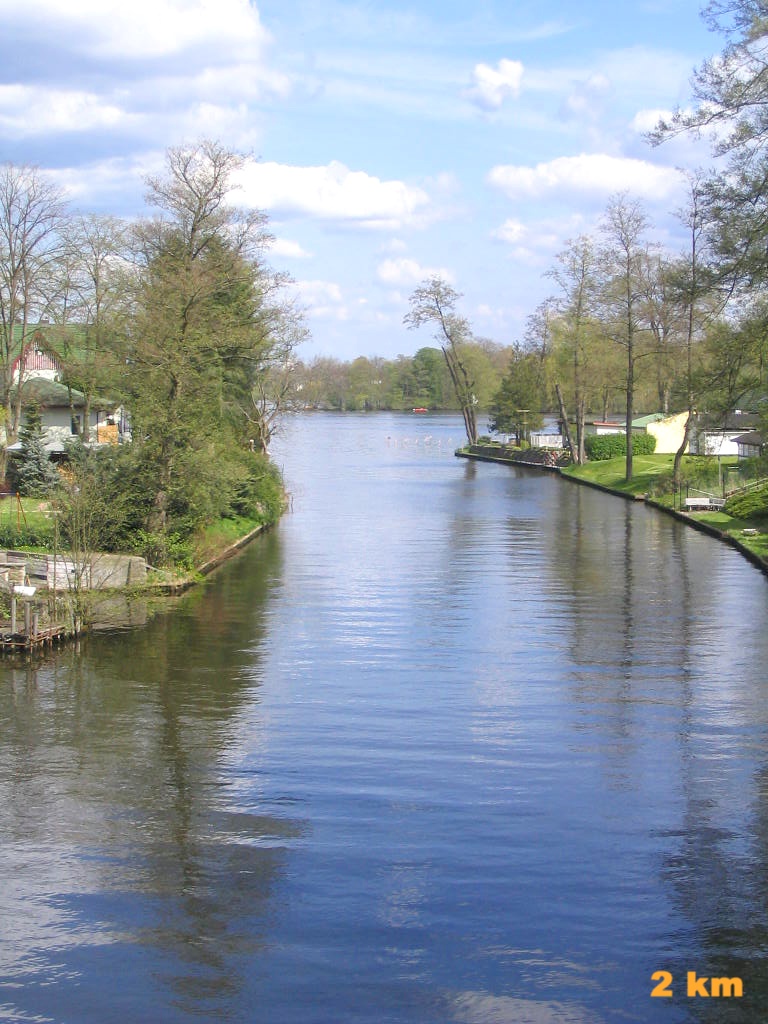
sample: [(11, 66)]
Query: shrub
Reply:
[(600, 447), (12, 537), (753, 504)]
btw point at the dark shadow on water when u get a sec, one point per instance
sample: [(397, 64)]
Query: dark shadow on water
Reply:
[(117, 769)]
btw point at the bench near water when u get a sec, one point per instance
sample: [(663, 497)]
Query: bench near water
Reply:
[(704, 504)]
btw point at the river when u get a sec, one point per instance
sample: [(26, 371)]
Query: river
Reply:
[(455, 742)]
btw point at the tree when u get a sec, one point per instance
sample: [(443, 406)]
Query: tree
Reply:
[(434, 302), (625, 258), (31, 215), (275, 385), (577, 275), (691, 280), (521, 396), (91, 309), (199, 329), (32, 470), (730, 93)]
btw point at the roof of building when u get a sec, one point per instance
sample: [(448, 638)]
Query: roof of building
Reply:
[(51, 394), (643, 421), (752, 437), (729, 421)]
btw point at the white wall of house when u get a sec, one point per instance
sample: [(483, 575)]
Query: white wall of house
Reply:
[(715, 442), (59, 420), (546, 440)]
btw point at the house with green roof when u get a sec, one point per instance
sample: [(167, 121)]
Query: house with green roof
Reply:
[(668, 430), (61, 413), (44, 351)]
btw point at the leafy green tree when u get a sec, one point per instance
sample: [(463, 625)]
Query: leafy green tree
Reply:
[(730, 94), (521, 397), (197, 332)]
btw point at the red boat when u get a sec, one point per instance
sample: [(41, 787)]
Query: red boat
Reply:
[(421, 409)]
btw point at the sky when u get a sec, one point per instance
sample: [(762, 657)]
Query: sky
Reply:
[(387, 142)]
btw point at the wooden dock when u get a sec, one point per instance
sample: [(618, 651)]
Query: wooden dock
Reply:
[(45, 637), (30, 634)]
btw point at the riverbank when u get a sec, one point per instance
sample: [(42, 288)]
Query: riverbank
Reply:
[(222, 542), (39, 609), (608, 476)]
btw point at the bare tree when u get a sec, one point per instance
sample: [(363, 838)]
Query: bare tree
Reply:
[(434, 301), (576, 274), (625, 256), (90, 308), (275, 387), (693, 283), (31, 215)]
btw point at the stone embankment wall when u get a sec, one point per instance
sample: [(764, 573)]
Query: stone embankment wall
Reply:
[(542, 457)]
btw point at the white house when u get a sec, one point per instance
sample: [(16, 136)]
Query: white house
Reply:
[(718, 435), (750, 445)]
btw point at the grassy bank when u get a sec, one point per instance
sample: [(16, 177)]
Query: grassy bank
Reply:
[(27, 524), (651, 477), (648, 469)]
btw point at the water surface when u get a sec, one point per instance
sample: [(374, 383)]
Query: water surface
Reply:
[(454, 743)]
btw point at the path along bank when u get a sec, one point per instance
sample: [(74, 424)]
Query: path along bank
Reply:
[(558, 462)]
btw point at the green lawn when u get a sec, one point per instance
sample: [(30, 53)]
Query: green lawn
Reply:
[(611, 472), (31, 511)]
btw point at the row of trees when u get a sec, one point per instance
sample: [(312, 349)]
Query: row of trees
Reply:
[(177, 316), (628, 321), (674, 331), (374, 383)]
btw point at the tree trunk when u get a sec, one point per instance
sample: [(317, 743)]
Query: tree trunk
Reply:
[(681, 450), (630, 408), (581, 417), (565, 427)]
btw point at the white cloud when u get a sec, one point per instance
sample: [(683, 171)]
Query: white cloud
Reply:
[(405, 272), (144, 28), (491, 86), (331, 192), (595, 174), (106, 179), (290, 249), (322, 299), (645, 121), (512, 231), (587, 98), (32, 110), (394, 245)]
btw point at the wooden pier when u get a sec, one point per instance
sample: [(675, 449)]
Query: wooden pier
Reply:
[(29, 634)]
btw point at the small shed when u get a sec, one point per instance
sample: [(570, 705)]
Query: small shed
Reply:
[(717, 436), (604, 427), (750, 445)]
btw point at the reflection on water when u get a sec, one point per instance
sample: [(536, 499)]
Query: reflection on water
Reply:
[(456, 742)]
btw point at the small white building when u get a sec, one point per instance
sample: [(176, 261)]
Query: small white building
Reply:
[(718, 436), (601, 427), (750, 445), (541, 440)]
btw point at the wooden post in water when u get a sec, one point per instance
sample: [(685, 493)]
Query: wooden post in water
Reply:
[(35, 623), (27, 617), (13, 615)]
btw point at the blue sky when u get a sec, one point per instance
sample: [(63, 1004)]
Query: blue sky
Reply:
[(387, 141)]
